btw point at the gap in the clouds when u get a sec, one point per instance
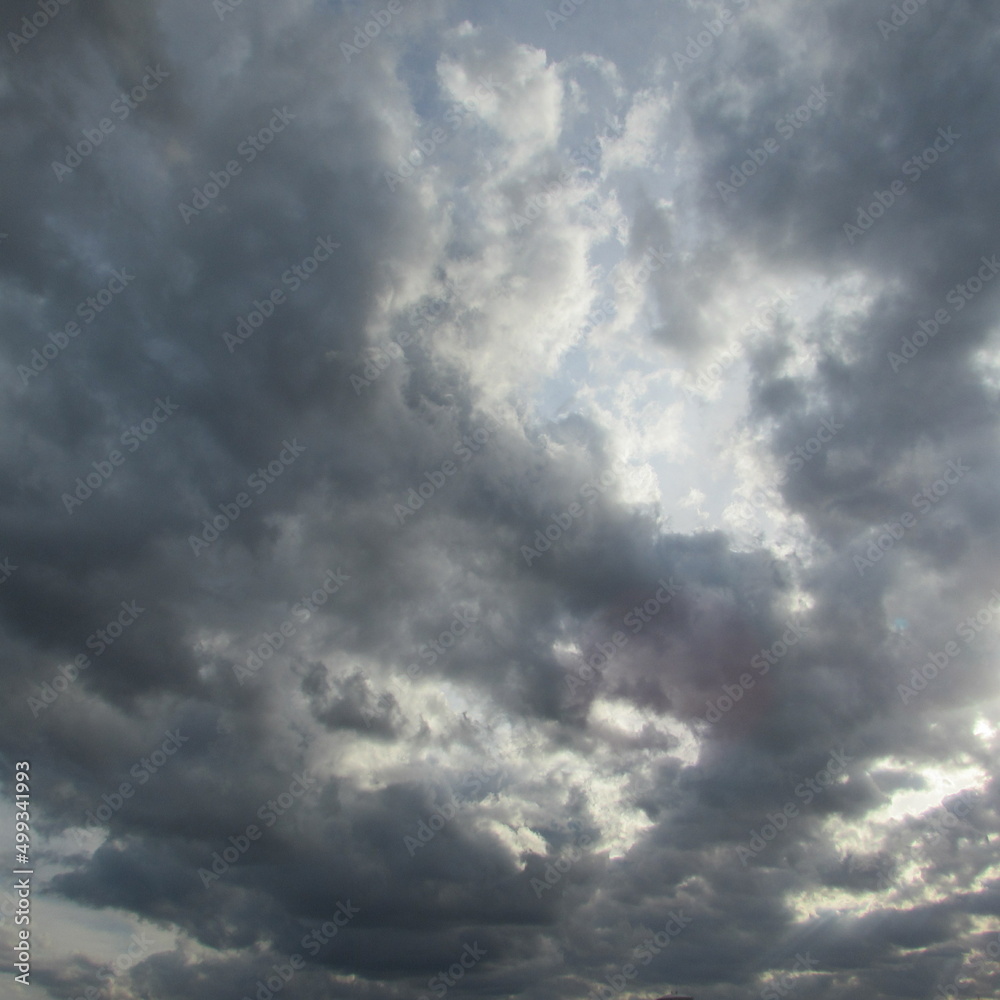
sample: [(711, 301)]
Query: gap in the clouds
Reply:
[(926, 788), (659, 421)]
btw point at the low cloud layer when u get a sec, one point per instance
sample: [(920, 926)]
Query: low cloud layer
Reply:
[(501, 502)]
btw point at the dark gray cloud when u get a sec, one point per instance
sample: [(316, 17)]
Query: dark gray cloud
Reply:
[(345, 439)]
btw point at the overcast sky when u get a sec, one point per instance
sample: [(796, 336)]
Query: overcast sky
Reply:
[(500, 500)]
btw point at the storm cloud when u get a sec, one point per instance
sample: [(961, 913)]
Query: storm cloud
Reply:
[(501, 502)]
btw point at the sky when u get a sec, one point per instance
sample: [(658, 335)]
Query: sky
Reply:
[(499, 500)]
